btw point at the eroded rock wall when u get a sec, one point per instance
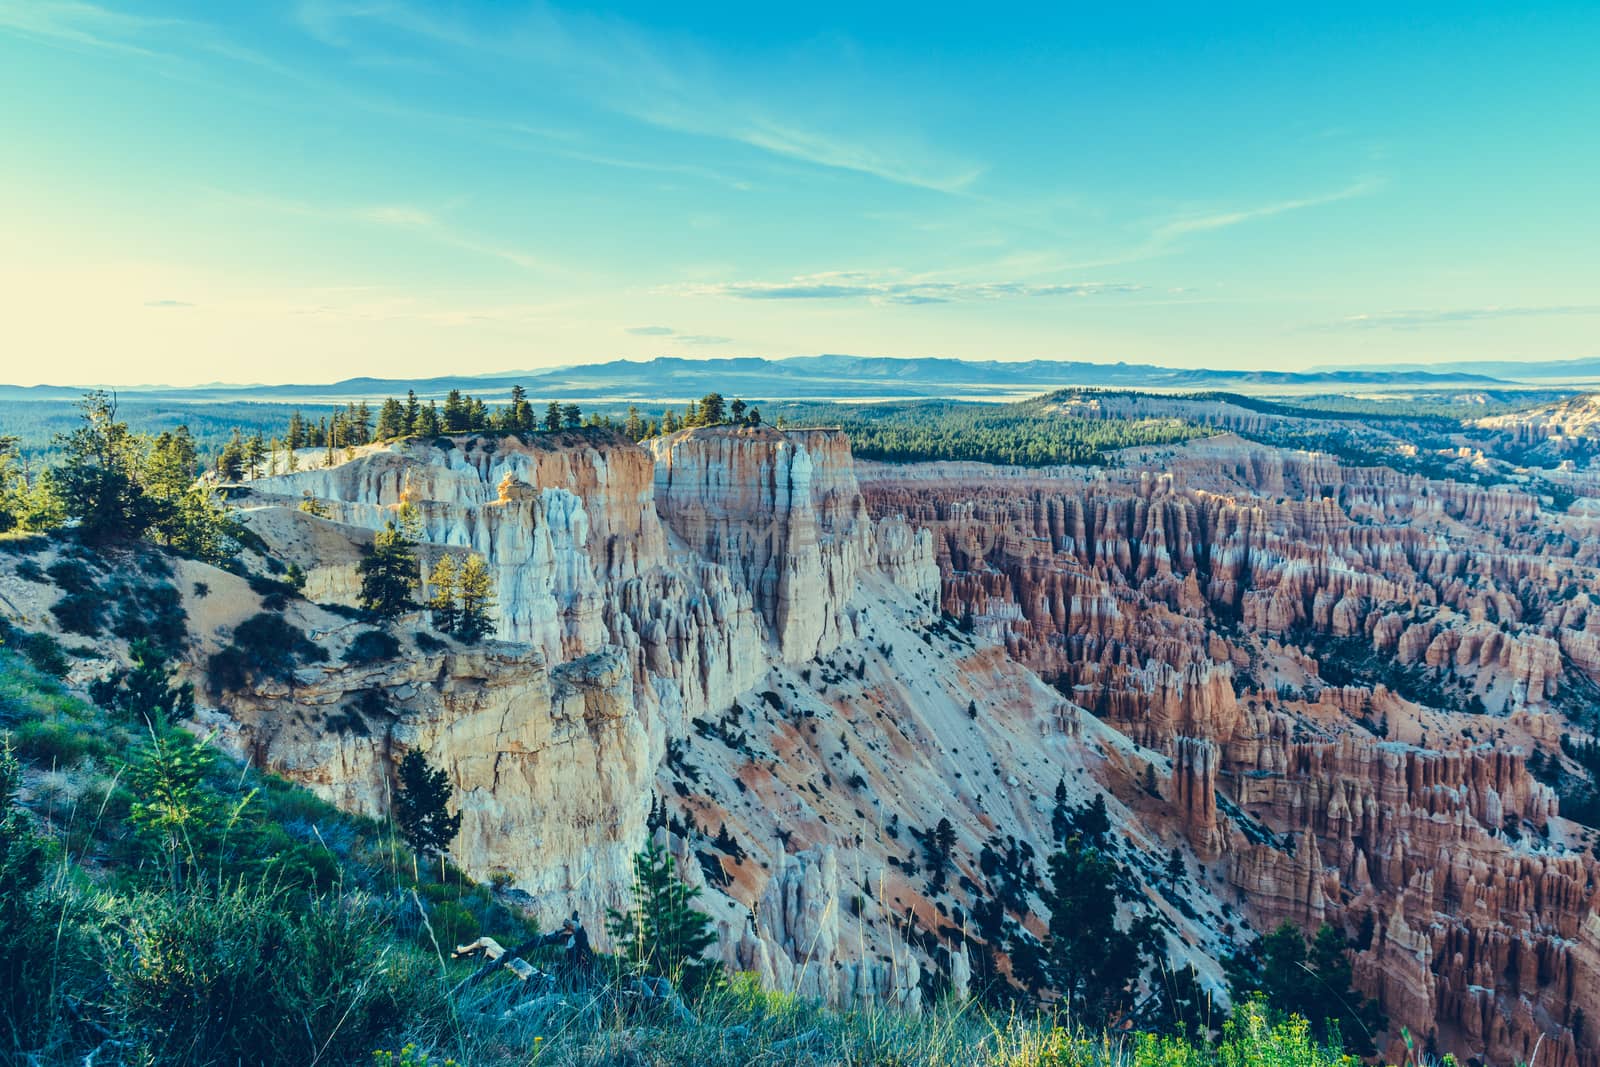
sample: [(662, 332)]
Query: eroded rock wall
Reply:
[(675, 625), (1350, 670)]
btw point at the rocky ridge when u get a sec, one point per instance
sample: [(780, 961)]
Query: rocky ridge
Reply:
[(712, 643), (1351, 669)]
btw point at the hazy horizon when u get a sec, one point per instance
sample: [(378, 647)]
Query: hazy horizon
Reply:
[(1461, 367), (313, 191)]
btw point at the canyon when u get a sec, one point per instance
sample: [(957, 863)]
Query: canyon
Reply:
[(1352, 670), (1305, 690)]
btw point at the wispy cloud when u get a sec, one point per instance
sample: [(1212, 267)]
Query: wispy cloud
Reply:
[(168, 304), (1168, 232), (427, 225), (671, 85), (401, 215), (681, 338), (855, 285), (1419, 318), (81, 24)]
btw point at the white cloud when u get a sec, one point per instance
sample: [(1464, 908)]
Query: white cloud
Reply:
[(1222, 220), (672, 85), (681, 338), (856, 285), (81, 24), (398, 215), (1417, 318)]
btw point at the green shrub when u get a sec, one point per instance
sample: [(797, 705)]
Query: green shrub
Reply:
[(79, 613), (453, 923), (42, 650), (308, 866), (241, 975), (263, 646), (40, 943), (72, 575), (152, 613), (370, 646), (54, 743)]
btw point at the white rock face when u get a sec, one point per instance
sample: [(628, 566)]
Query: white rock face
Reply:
[(714, 628)]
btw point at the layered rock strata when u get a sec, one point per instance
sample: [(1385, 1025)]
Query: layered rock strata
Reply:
[(1350, 670), (710, 642)]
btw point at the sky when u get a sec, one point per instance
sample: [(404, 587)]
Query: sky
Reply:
[(264, 192)]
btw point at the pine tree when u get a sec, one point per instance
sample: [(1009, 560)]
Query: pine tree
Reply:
[(712, 410), (634, 427), (175, 815), (938, 847), (571, 417), (146, 694), (361, 425), (669, 421), (23, 504), (1089, 960), (456, 412), (663, 934), (174, 461), (388, 573), (1093, 822), (1061, 815), (736, 411), (100, 477), (412, 413), (753, 418), (445, 581), (476, 587), (1314, 985), (421, 806), (230, 462), (255, 451), (431, 424), (518, 414), (392, 421), (552, 416), (296, 437)]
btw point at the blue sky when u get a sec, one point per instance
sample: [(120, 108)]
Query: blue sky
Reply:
[(306, 191)]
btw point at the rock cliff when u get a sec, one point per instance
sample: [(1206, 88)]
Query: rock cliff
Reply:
[(711, 642), (1351, 670)]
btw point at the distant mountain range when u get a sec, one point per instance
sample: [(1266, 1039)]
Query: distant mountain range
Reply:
[(802, 377), (1515, 370)]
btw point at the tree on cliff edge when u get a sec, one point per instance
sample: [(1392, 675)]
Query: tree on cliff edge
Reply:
[(476, 588), (421, 806), (389, 573)]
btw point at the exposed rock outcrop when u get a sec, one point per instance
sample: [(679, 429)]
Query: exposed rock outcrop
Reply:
[(1348, 668), (720, 623)]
